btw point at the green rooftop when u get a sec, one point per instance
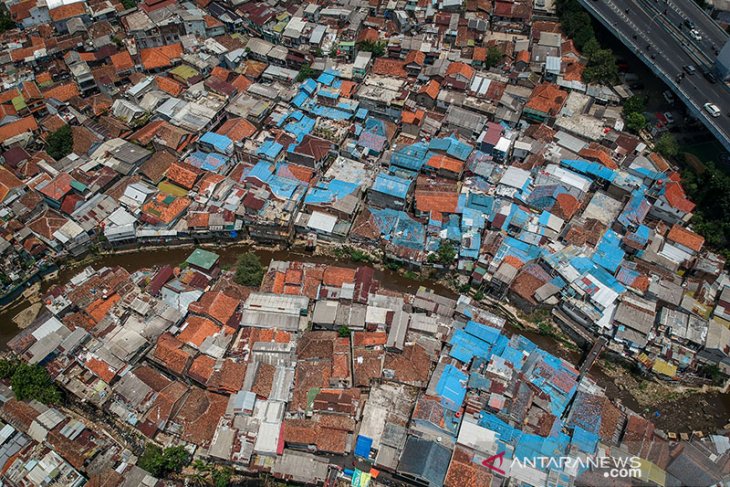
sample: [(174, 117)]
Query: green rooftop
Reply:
[(184, 72), (19, 102), (202, 259)]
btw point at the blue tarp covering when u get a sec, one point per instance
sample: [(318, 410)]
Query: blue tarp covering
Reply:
[(329, 192), (391, 185), (221, 143), (635, 210), (207, 161), (589, 168), (363, 445), (585, 441), (609, 253), (452, 388), (270, 149)]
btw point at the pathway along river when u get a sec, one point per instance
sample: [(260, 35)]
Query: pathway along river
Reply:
[(704, 412)]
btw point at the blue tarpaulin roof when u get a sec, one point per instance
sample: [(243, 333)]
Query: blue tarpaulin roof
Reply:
[(609, 253), (452, 388), (589, 168), (221, 143), (391, 185), (363, 445), (207, 161)]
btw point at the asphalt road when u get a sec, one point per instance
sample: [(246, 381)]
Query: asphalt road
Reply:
[(657, 39)]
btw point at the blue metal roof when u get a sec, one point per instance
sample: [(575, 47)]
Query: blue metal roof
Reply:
[(452, 388), (391, 185), (411, 157), (221, 143), (609, 253), (593, 169), (363, 445), (270, 149), (207, 161)]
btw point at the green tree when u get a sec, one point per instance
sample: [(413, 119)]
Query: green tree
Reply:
[(378, 48), (634, 104), (601, 68), (667, 145), (60, 143), (127, 4), (161, 462), (249, 270), (635, 122), (33, 382), (343, 331), (222, 476), (6, 22), (8, 368), (494, 57), (306, 72)]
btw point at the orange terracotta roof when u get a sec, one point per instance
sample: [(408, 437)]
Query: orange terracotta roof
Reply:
[(241, 83), (523, 56), (440, 202), (196, 330), (237, 129), (479, 54), (169, 85), (686, 238), (460, 68), (161, 209), (63, 92), (161, 57), (67, 11), (8, 182), (27, 124), (413, 118), (183, 174), (370, 339), (221, 73), (598, 155), (441, 161), (675, 196), (389, 67), (122, 61), (202, 368), (547, 98), (100, 369), (169, 352), (347, 88), (415, 57), (100, 308), (337, 276), (660, 163), (216, 305), (431, 89)]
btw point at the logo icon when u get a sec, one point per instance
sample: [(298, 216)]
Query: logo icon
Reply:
[(495, 462)]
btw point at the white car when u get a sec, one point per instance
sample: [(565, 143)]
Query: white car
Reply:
[(712, 109), (695, 34), (668, 96), (669, 117)]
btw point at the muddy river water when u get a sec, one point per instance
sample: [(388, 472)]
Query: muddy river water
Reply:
[(705, 412)]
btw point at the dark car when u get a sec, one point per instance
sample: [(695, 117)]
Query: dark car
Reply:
[(690, 69), (709, 76), (689, 23)]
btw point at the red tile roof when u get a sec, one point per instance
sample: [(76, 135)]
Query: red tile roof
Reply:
[(161, 57), (686, 238), (389, 67)]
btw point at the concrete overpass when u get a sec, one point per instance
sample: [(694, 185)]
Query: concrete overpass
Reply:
[(658, 32)]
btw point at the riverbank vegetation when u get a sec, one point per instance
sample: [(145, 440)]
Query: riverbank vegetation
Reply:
[(161, 463), (710, 190), (29, 382), (249, 270), (577, 25)]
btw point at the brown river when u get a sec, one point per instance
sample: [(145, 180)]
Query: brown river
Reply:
[(704, 412)]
